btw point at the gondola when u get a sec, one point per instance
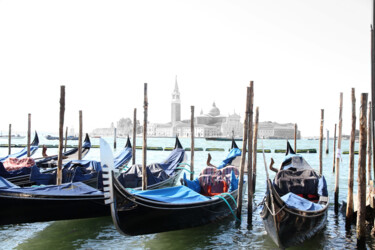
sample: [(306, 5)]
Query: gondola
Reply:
[(296, 202), (81, 197), (136, 212), (33, 148), (47, 164), (73, 200)]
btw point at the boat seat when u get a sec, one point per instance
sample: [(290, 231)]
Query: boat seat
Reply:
[(301, 182), (214, 181)]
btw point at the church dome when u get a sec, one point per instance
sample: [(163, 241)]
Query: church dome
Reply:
[(214, 111)]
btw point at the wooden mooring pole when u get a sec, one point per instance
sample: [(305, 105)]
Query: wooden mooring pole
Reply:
[(192, 143), (10, 140), (361, 213), (338, 157), (144, 146), (61, 134), (327, 142), (295, 137), (80, 136), (369, 148), (250, 185), (134, 135), (350, 202), (66, 139), (243, 156), (114, 138), (255, 148), (28, 135), (334, 149), (321, 142)]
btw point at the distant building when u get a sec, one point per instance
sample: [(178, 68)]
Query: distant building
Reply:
[(273, 130), (211, 124)]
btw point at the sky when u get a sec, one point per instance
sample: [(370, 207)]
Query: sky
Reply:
[(300, 55)]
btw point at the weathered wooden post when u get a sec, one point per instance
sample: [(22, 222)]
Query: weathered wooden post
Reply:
[(144, 147), (327, 142), (350, 204), (114, 138), (80, 136), (250, 191), (369, 148), (66, 139), (338, 157), (255, 148), (61, 134), (134, 135), (361, 213), (321, 142), (295, 137), (28, 135), (334, 149), (243, 156), (10, 140), (192, 143)]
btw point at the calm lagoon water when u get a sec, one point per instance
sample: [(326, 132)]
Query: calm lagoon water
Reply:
[(100, 233)]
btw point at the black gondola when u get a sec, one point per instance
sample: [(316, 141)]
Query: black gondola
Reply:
[(141, 212), (286, 222), (51, 202), (33, 148), (46, 164)]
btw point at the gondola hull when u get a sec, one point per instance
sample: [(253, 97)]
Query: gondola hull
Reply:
[(133, 215), (16, 209), (290, 226)]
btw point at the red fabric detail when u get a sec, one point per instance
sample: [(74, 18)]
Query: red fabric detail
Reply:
[(11, 164)]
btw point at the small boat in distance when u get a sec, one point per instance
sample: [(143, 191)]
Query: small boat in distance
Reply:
[(70, 137), (12, 136), (222, 139), (296, 202)]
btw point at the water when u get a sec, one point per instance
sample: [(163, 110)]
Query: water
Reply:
[(100, 233)]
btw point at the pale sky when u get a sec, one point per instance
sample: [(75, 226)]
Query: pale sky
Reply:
[(300, 54)]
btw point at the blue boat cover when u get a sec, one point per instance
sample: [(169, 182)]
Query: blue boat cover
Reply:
[(78, 170), (156, 172), (178, 194), (294, 201), (67, 189), (13, 173), (4, 183), (322, 187), (232, 154), (20, 154), (175, 157)]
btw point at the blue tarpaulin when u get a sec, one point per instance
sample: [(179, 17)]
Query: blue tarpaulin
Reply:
[(294, 201), (179, 194), (232, 154), (174, 158), (20, 154), (67, 189), (6, 184)]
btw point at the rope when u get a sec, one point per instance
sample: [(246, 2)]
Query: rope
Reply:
[(185, 169), (291, 212), (221, 197)]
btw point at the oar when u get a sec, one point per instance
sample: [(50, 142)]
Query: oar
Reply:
[(271, 194)]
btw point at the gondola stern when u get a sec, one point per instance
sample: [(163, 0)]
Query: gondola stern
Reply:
[(128, 143), (289, 149), (234, 144), (177, 144), (36, 140), (87, 142)]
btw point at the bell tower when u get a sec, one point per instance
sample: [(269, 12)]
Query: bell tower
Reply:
[(176, 104)]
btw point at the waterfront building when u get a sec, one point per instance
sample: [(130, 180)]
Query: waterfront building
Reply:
[(273, 130)]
